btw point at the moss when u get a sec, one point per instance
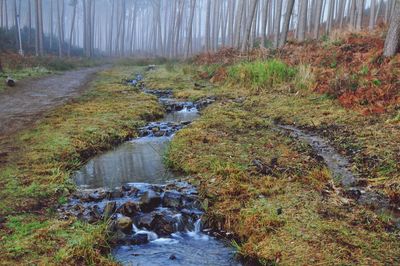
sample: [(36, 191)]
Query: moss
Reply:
[(36, 177), (284, 216)]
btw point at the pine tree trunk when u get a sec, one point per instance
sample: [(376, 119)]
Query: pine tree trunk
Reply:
[(277, 24), (372, 15), (392, 43), (72, 29), (36, 27), (59, 33), (190, 26), (286, 23), (360, 13), (246, 39), (302, 20), (353, 13)]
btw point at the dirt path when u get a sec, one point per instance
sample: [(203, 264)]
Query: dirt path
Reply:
[(24, 104)]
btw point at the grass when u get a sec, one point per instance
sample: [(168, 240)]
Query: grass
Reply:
[(21, 68), (260, 74), (35, 176), (285, 217), (288, 215)]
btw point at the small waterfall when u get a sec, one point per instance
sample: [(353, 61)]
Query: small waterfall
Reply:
[(197, 226), (150, 235)]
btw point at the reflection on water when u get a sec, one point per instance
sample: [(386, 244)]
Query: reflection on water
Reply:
[(140, 160)]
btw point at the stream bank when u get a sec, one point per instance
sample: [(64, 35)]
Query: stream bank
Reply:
[(153, 218)]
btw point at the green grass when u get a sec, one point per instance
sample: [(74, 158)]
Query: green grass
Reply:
[(37, 175), (260, 74), (218, 150)]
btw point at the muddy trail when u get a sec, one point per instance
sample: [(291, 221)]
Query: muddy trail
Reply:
[(352, 186), (26, 103)]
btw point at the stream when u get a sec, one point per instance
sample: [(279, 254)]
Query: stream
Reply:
[(154, 216), (339, 167)]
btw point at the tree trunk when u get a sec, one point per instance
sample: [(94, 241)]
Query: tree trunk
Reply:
[(208, 26), (277, 24), (110, 42), (59, 29), (72, 27), (353, 13), (360, 13), (250, 19), (302, 20), (331, 9), (372, 15), (2, 13), (286, 23), (239, 21), (264, 23), (392, 43), (190, 26), (51, 25), (6, 14), (37, 36)]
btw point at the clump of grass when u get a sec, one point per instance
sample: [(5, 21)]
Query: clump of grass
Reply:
[(260, 75), (305, 78)]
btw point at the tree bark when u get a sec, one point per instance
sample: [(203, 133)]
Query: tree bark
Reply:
[(74, 3), (392, 43), (360, 13), (277, 24), (302, 20), (250, 19), (190, 26), (286, 23), (59, 29), (37, 36)]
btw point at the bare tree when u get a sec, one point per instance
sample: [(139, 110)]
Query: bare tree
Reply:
[(392, 43), (288, 15), (73, 3), (317, 20), (249, 24), (277, 22), (190, 26), (301, 35), (360, 13)]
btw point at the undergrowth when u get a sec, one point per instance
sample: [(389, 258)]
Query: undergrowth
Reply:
[(260, 75)]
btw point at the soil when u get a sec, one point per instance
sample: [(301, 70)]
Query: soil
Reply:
[(27, 102)]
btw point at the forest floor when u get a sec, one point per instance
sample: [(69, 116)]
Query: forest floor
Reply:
[(271, 191)]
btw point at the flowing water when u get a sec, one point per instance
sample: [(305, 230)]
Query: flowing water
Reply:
[(339, 167), (169, 232)]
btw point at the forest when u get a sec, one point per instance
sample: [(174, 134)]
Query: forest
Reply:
[(199, 132)]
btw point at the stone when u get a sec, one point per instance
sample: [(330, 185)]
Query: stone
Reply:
[(172, 257), (163, 224), (145, 220), (124, 224), (109, 209), (139, 239), (125, 188), (149, 201), (172, 199), (129, 209), (97, 196)]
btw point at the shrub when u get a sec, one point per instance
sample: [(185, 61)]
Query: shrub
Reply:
[(261, 74)]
